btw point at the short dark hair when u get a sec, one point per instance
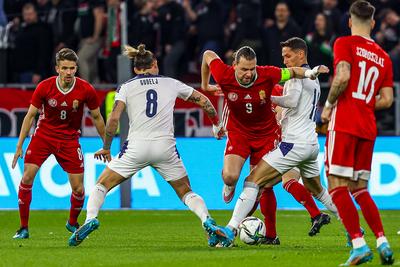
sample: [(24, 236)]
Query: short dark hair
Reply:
[(66, 54), (245, 51), (362, 9), (295, 43)]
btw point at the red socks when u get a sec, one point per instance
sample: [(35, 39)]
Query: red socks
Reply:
[(369, 210), (24, 202), (268, 209), (347, 211), (300, 193), (77, 201)]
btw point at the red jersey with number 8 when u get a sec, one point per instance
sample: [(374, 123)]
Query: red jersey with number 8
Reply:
[(247, 110), (61, 112), (371, 69)]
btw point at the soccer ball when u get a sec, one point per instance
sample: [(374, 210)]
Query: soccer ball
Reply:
[(251, 230)]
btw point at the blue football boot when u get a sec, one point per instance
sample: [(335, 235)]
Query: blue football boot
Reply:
[(386, 254), (79, 235), (359, 256), (212, 238), (225, 235), (71, 228), (22, 233)]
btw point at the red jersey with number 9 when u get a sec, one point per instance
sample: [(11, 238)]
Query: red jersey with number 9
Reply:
[(61, 112), (247, 110), (371, 69)]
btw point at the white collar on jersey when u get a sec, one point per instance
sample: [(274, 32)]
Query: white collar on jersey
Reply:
[(247, 85), (59, 86)]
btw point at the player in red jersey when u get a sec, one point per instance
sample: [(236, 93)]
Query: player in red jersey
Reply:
[(60, 101), (250, 122), (363, 83)]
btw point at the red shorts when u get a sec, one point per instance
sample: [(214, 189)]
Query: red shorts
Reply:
[(347, 155), (67, 152), (256, 148)]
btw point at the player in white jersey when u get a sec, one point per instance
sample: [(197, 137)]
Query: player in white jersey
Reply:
[(299, 146), (149, 100)]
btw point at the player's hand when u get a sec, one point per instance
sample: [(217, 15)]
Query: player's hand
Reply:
[(214, 89), (326, 114), (18, 154), (317, 70), (219, 131), (103, 154)]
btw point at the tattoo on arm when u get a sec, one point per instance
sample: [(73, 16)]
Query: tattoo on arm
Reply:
[(209, 109), (340, 81), (194, 99)]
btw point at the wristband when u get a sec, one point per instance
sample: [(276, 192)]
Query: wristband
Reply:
[(328, 104)]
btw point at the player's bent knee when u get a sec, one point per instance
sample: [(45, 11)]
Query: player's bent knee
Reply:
[(27, 179), (230, 178)]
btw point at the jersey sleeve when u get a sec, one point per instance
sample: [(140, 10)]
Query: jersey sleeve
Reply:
[(388, 80), (184, 91), (38, 96), (92, 100), (272, 73), (218, 69), (120, 94), (341, 51)]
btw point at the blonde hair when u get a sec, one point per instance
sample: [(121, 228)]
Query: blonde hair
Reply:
[(142, 59)]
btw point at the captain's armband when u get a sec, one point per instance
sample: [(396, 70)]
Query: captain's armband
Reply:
[(285, 75)]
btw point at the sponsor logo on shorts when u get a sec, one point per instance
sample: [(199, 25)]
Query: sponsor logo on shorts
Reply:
[(28, 152), (52, 102), (230, 148), (232, 96)]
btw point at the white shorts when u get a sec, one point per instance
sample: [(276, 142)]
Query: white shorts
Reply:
[(161, 154), (288, 155)]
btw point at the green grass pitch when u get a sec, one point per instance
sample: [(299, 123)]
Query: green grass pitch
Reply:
[(175, 238)]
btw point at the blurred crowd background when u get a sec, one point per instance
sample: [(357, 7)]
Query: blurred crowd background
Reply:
[(178, 31)]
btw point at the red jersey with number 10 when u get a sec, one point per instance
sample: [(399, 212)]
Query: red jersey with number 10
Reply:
[(61, 112), (247, 110), (371, 69)]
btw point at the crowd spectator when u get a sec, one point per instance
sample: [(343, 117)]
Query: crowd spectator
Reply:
[(31, 57), (142, 25), (388, 37), (283, 28), (91, 14), (171, 18), (61, 16), (113, 40), (180, 30), (208, 20)]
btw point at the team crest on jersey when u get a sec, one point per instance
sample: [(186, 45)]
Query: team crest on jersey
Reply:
[(263, 96), (52, 102), (75, 105), (232, 96)]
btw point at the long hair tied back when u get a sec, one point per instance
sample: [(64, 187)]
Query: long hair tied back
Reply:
[(141, 58)]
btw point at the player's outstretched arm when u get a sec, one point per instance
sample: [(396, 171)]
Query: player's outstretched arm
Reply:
[(26, 126), (205, 103), (302, 73), (98, 122), (339, 83), (111, 127), (384, 99), (208, 56)]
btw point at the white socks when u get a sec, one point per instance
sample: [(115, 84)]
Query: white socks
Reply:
[(96, 200), (244, 204), (358, 242), (196, 204), (381, 240), (326, 199)]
